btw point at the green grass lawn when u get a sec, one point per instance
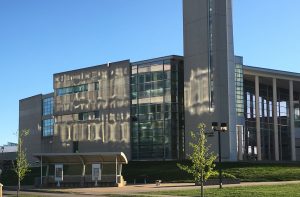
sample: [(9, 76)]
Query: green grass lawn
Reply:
[(265, 172), (289, 190), (246, 171)]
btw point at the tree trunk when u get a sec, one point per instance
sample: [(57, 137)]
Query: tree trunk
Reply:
[(19, 186), (202, 183)]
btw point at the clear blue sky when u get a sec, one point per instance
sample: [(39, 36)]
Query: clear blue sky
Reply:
[(42, 37)]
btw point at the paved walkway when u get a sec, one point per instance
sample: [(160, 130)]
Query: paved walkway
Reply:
[(137, 189)]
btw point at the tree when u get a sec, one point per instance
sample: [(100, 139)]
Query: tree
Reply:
[(21, 166), (202, 159)]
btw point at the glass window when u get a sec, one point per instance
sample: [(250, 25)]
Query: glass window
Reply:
[(147, 86), (71, 90), (48, 106), (133, 79), (83, 116), (148, 77), (96, 85), (239, 89), (157, 76), (141, 78), (48, 127), (133, 88), (96, 114), (141, 87), (297, 115), (151, 137)]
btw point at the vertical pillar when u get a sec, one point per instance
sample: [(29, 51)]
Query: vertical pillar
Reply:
[(41, 170), (69, 132), (89, 132), (240, 142), (276, 145), (47, 171), (83, 170), (98, 128), (292, 121), (116, 169), (258, 138), (82, 181)]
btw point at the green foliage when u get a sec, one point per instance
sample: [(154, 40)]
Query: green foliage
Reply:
[(202, 159), (21, 166)]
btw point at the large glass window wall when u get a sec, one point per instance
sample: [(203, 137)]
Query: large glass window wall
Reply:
[(284, 137), (266, 122), (155, 102), (239, 89), (250, 123)]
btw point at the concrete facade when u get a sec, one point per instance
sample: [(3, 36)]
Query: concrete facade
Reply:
[(30, 117), (209, 69), (106, 107)]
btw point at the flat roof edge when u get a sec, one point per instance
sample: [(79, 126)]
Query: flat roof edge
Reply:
[(122, 154), (158, 59), (90, 67), (271, 71)]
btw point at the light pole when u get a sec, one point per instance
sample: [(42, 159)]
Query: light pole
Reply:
[(223, 128)]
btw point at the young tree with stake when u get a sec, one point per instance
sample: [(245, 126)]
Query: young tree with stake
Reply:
[(202, 159), (21, 166)]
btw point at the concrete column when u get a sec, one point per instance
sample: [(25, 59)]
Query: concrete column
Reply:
[(83, 170), (258, 137), (89, 132), (41, 170), (116, 169), (276, 145), (240, 141), (82, 181), (292, 121), (46, 181), (47, 171)]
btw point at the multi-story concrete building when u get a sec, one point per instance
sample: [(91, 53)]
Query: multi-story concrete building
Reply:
[(147, 108)]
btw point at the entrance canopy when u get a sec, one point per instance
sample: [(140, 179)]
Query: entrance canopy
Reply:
[(90, 157)]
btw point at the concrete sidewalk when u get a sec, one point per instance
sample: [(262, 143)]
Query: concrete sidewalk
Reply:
[(138, 189)]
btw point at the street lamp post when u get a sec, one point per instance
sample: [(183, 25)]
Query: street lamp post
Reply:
[(223, 128)]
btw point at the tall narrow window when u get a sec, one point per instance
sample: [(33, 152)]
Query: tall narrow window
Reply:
[(75, 147), (96, 114), (83, 116), (48, 127), (48, 106), (96, 85), (210, 54)]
